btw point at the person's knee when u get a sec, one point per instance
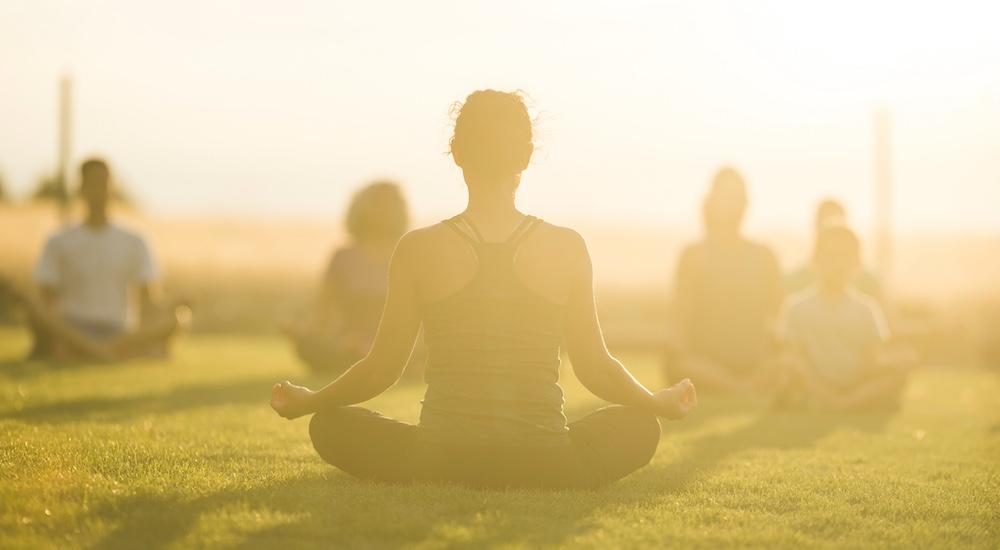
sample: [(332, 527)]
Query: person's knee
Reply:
[(328, 432), (641, 431), (648, 427)]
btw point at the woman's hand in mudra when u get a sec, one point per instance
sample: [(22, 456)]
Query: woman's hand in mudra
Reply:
[(676, 401), (291, 401)]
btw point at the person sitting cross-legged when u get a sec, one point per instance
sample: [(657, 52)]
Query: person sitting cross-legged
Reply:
[(86, 275), (837, 352), (727, 292), (497, 293), (340, 328)]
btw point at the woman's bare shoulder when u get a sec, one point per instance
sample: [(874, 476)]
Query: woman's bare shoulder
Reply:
[(559, 242), (424, 236), (561, 235), (423, 242)]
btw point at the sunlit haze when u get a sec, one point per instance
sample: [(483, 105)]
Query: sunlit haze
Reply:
[(331, 305), (281, 109)]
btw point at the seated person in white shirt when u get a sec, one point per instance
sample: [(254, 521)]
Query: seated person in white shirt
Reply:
[(836, 338), (87, 275)]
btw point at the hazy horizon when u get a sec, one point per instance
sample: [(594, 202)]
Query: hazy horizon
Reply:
[(248, 111)]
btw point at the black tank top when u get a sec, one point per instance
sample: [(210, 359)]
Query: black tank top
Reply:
[(494, 351)]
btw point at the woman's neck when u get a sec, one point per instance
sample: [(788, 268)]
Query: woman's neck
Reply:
[(491, 205)]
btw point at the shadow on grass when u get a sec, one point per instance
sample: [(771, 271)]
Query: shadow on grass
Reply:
[(156, 521), (771, 430), (334, 510), (17, 369), (27, 367), (112, 409)]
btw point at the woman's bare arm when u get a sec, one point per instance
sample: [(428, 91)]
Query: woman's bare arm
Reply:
[(388, 356), (594, 365)]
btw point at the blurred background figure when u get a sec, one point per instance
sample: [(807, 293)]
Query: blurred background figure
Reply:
[(831, 212), (836, 337), (726, 296), (341, 326), (97, 285)]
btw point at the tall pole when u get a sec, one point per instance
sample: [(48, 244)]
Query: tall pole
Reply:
[(883, 197), (65, 146)]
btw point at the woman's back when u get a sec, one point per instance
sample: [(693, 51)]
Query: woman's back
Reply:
[(493, 313), (496, 298)]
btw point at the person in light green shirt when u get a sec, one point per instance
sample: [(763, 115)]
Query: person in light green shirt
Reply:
[(836, 338)]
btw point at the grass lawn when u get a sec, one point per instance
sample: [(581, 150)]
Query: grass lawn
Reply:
[(188, 454)]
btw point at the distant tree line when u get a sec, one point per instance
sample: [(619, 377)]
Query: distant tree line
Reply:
[(47, 189)]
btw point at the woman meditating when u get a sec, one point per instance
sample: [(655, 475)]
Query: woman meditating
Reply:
[(497, 292), (342, 325)]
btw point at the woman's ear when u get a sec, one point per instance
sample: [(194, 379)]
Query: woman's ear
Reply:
[(456, 153)]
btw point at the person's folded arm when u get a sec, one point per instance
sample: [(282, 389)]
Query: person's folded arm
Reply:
[(595, 367), (385, 361), (149, 298)]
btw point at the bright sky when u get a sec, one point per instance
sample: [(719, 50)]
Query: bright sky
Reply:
[(281, 108)]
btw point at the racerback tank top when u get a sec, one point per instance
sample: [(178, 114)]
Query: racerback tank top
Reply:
[(493, 354)]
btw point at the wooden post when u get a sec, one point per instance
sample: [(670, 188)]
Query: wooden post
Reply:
[(65, 147)]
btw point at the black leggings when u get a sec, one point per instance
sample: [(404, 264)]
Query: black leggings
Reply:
[(604, 447)]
